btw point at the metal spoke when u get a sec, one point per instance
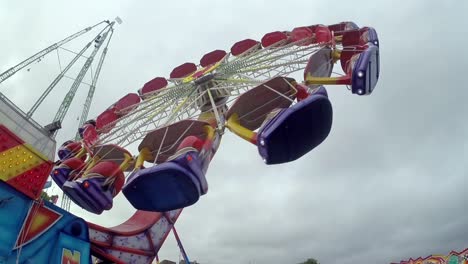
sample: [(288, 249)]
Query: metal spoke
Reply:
[(233, 77)]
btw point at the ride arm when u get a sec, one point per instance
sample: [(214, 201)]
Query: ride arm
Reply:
[(243, 132), (8, 73), (81, 153), (93, 162), (210, 136), (144, 154), (92, 88), (126, 163), (336, 55), (64, 107), (345, 80)]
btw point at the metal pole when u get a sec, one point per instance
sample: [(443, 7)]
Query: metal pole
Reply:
[(71, 93), (187, 261), (60, 76), (8, 73), (92, 88)]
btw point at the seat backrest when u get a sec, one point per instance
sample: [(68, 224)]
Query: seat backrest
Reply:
[(106, 121), (320, 64), (154, 85), (73, 163), (244, 47), (181, 152), (126, 104), (301, 34), (275, 39), (69, 150), (183, 70), (323, 34), (111, 171), (111, 152), (105, 168), (212, 57), (164, 141), (253, 106), (191, 141)]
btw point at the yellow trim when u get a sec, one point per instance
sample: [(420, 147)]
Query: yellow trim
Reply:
[(206, 116), (19, 159), (319, 80), (81, 153), (93, 162), (145, 153), (322, 80), (210, 132), (339, 38), (336, 55), (126, 163), (35, 152), (205, 71), (241, 81), (234, 125)]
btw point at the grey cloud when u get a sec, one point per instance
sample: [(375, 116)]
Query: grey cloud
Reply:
[(388, 184)]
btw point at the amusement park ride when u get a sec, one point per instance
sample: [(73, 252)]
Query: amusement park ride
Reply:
[(178, 123)]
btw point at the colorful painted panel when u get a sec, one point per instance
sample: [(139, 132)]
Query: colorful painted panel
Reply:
[(453, 257), (21, 165), (36, 232)]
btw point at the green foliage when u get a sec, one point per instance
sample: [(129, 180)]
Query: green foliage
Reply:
[(310, 261), (51, 198), (45, 196)]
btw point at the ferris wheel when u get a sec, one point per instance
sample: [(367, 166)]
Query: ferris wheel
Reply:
[(178, 122), (269, 92), (96, 47)]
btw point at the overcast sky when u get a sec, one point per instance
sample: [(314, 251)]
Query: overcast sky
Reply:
[(388, 184)]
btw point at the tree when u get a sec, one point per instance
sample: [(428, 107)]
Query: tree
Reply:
[(53, 198), (310, 261), (45, 196)]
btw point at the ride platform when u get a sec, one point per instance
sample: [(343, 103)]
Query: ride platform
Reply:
[(26, 150)]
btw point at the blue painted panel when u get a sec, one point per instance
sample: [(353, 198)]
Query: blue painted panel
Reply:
[(14, 207), (69, 233), (71, 250)]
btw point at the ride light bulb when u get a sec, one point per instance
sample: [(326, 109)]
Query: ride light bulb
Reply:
[(360, 91), (376, 43), (86, 184), (360, 74), (262, 142)]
